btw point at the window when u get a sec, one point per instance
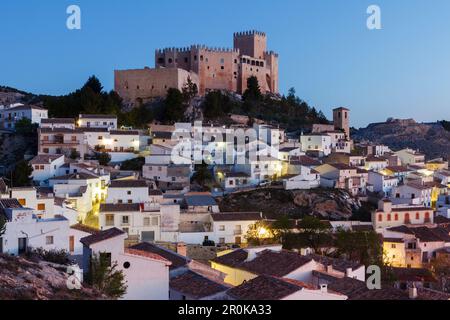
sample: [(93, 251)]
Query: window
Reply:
[(41, 206), (22, 202), (130, 201), (222, 228), (146, 221), (396, 217), (48, 240), (125, 219), (389, 217), (221, 240), (380, 218), (109, 220), (393, 246), (155, 221), (120, 201), (129, 192), (417, 216)]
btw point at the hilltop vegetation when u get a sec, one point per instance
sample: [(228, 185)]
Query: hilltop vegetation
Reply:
[(432, 139)]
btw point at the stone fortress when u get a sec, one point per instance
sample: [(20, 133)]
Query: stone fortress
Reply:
[(209, 68)]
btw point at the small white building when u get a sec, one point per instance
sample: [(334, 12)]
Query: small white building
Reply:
[(128, 191), (67, 123), (413, 193), (24, 230), (232, 227), (382, 183), (307, 179), (46, 166), (9, 116), (318, 142), (97, 121), (146, 273), (132, 219)]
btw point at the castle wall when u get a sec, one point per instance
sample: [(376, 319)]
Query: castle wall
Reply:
[(209, 68), (145, 84), (251, 43)]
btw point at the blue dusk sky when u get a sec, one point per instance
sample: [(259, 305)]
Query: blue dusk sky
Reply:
[(326, 51)]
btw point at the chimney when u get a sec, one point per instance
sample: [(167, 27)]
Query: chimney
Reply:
[(182, 249), (348, 272), (413, 292), (324, 288), (385, 205)]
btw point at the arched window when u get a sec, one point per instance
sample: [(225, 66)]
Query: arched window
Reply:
[(417, 216), (389, 217), (380, 217), (396, 217), (407, 220), (427, 217)]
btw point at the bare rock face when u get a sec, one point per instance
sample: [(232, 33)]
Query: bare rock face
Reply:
[(430, 138), (324, 203), (21, 279)]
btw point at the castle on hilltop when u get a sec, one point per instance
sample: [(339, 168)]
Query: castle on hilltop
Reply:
[(209, 68)]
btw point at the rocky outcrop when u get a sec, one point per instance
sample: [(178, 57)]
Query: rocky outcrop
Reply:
[(22, 279), (329, 204), (430, 138)]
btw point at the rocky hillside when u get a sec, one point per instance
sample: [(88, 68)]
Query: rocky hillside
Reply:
[(431, 139), (22, 279), (10, 95), (325, 204)]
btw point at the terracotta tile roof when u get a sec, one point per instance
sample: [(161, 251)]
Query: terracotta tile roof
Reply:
[(101, 236), (84, 228), (232, 259), (97, 116), (264, 288), (441, 220), (425, 234), (236, 216), (146, 254), (124, 132), (128, 184), (397, 169), (120, 207), (357, 290), (176, 259), (152, 192), (363, 227), (338, 264), (76, 176), (58, 120), (274, 263), (393, 240), (195, 286), (413, 274), (45, 158), (304, 161), (9, 203)]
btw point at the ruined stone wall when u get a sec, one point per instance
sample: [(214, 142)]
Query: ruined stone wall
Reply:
[(145, 84)]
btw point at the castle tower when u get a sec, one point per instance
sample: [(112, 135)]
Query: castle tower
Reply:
[(251, 43), (341, 120)]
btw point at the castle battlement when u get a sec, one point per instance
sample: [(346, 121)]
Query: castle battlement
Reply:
[(195, 47), (271, 53), (249, 33)]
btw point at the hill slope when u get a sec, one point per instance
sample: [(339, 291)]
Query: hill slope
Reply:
[(22, 279), (431, 139)]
